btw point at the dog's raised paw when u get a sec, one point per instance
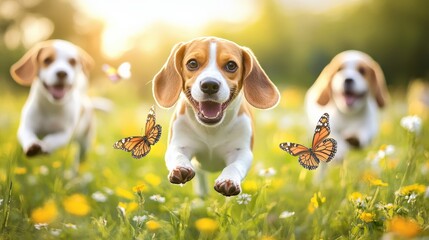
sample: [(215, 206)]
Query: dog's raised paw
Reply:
[(34, 150), (227, 187), (181, 175)]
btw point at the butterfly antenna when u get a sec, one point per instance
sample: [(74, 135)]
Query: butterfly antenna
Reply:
[(148, 82)]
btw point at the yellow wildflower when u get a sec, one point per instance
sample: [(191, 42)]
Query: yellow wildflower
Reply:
[(378, 182), (206, 225), (404, 227), (128, 207), (355, 196), (153, 225), (139, 188), (316, 201), (268, 238), (46, 213), (120, 192), (20, 170), (250, 186), (152, 179), (311, 208), (414, 188), (367, 217), (374, 181), (76, 204), (56, 164)]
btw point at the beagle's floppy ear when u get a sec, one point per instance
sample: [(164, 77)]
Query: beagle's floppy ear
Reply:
[(86, 61), (25, 70), (378, 84), (323, 83), (167, 83), (258, 89)]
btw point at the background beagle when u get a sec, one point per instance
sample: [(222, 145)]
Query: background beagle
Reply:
[(57, 107), (214, 81), (351, 88)]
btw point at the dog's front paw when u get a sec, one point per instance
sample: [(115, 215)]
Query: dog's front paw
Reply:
[(181, 175), (227, 187), (33, 150)]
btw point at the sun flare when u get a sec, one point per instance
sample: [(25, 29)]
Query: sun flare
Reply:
[(126, 19)]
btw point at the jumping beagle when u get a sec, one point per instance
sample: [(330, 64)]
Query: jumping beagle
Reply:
[(57, 108), (214, 82), (351, 88)]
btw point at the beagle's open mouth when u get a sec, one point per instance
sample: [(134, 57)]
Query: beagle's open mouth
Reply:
[(58, 91), (209, 112), (351, 97)]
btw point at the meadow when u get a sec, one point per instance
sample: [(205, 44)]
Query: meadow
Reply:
[(377, 192)]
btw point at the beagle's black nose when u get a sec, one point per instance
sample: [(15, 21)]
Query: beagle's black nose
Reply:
[(61, 75), (348, 83), (209, 86)]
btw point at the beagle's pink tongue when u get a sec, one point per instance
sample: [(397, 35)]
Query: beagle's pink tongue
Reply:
[(350, 99), (57, 92), (210, 109)]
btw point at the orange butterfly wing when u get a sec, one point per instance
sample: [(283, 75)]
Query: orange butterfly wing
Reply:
[(128, 143), (142, 149), (154, 134), (306, 156), (152, 130), (326, 150), (293, 149), (322, 130), (323, 148), (150, 121), (308, 160), (139, 146)]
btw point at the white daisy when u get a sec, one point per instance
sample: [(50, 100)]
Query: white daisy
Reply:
[(139, 219), (412, 124), (157, 198), (286, 214), (55, 232), (39, 226), (99, 196), (70, 225), (268, 172), (44, 170), (244, 198)]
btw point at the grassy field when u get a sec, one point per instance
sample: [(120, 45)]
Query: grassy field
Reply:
[(380, 191)]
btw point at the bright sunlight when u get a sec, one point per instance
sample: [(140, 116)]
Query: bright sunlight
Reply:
[(126, 19)]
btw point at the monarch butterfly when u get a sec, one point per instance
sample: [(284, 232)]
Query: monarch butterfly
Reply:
[(123, 71), (322, 148), (139, 146)]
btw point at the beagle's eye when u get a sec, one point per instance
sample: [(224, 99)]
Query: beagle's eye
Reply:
[(231, 66), (48, 60), (192, 65), (72, 62), (362, 71)]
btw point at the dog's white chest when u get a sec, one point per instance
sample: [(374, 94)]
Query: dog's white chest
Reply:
[(213, 147)]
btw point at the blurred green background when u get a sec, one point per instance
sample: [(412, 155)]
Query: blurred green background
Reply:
[(293, 40)]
